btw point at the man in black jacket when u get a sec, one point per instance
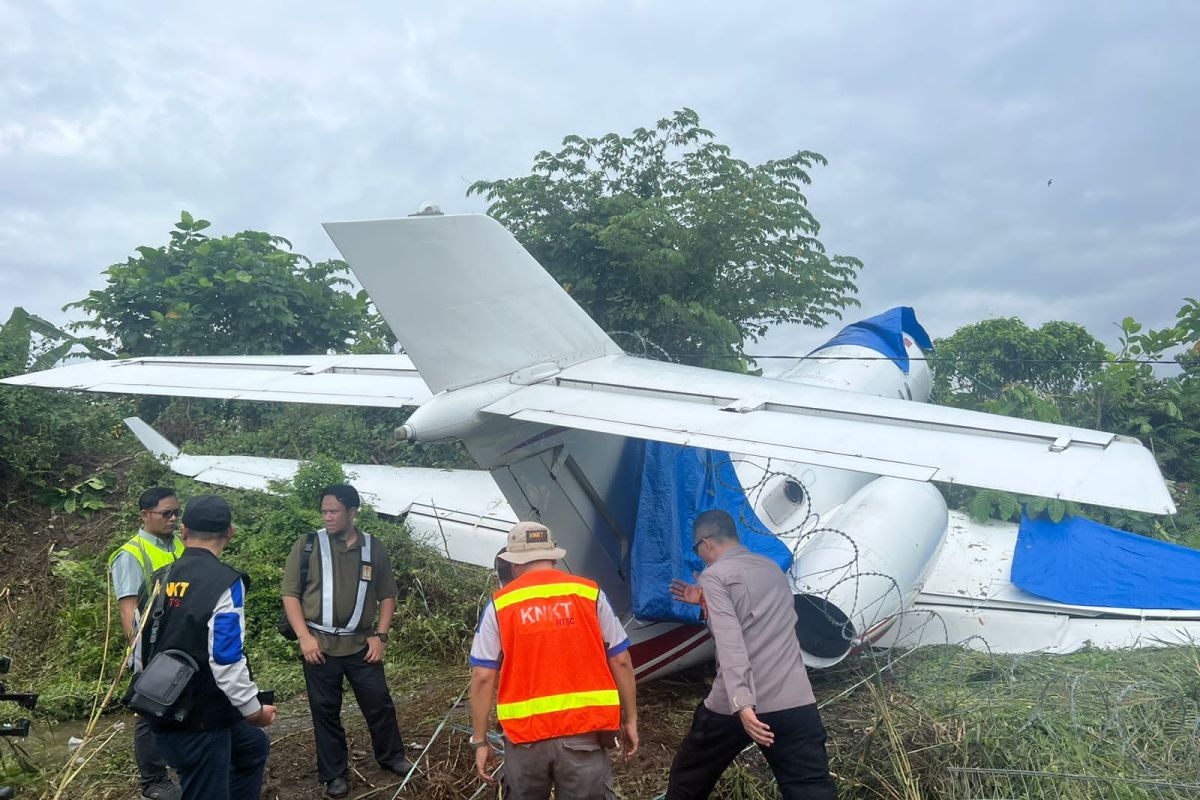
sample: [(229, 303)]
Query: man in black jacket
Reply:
[(217, 749)]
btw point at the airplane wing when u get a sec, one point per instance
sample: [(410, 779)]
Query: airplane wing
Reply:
[(391, 490), (746, 414), (383, 380), (471, 305)]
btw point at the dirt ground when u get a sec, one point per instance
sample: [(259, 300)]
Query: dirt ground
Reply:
[(28, 542), (445, 772)]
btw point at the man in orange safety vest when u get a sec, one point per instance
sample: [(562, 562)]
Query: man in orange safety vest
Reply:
[(566, 681)]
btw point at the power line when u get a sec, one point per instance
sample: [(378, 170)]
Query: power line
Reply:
[(971, 359)]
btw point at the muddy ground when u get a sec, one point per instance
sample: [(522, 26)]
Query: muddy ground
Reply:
[(446, 771)]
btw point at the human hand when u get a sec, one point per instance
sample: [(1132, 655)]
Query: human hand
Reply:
[(686, 592), (629, 739), (484, 759), (263, 717), (756, 729), (374, 650), (310, 648)]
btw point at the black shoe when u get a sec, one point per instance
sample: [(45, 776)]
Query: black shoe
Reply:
[(400, 766), (337, 788), (161, 790)]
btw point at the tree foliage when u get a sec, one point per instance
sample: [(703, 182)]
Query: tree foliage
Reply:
[(28, 342), (1060, 373), (245, 293), (983, 360), (665, 235), (39, 430)]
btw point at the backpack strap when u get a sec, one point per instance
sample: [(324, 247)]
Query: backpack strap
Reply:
[(159, 603), (304, 559)]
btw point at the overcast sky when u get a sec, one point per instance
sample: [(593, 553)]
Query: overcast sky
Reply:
[(943, 124)]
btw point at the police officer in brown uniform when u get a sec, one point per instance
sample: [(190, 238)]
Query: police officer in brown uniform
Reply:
[(349, 578)]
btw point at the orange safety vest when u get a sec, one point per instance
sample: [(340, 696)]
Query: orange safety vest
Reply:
[(554, 677)]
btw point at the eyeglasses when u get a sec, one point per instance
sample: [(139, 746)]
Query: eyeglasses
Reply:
[(696, 546), (170, 513)]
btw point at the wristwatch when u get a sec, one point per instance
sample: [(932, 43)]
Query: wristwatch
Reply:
[(481, 743), (383, 637)]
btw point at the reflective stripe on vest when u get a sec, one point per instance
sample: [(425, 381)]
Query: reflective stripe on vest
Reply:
[(554, 676), (150, 560), (326, 624), (557, 702), (545, 591)]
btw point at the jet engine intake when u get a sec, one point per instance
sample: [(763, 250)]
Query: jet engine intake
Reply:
[(864, 566)]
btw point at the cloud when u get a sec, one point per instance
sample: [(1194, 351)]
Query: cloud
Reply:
[(943, 123)]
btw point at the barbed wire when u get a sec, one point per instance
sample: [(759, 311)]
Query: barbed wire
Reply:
[(1146, 723)]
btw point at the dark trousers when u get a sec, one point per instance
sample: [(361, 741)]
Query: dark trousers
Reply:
[(797, 758), (324, 684), (221, 764), (152, 767)]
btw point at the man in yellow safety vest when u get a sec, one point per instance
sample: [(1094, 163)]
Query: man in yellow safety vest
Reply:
[(131, 566)]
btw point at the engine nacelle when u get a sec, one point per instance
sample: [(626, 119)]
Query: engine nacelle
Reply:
[(854, 368), (864, 566), (450, 415)]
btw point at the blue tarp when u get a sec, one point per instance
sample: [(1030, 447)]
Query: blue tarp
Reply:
[(1082, 562), (884, 333), (678, 483)]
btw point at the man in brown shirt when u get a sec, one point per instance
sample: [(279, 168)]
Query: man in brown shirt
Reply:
[(761, 693), (333, 614)]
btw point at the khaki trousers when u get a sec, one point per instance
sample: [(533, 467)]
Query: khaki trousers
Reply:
[(577, 767)]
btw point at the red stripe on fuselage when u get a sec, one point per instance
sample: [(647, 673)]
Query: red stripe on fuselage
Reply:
[(679, 638)]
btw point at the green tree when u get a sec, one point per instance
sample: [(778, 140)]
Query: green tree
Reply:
[(986, 360), (40, 432), (1060, 373), (28, 342), (663, 234), (245, 293)]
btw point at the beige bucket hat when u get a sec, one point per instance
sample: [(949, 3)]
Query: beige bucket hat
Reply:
[(531, 541)]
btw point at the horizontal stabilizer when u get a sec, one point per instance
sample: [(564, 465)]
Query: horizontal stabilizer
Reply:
[(465, 299), (385, 380), (627, 396)]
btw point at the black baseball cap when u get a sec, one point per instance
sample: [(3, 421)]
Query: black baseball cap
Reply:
[(207, 513)]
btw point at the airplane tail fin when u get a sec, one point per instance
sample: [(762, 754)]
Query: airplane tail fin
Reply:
[(151, 439), (466, 301)]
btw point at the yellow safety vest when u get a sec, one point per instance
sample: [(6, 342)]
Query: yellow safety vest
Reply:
[(151, 559)]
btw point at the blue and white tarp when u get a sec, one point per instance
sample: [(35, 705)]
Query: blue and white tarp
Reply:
[(884, 333), (1081, 562), (678, 483)]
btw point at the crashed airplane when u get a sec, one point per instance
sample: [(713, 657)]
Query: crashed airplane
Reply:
[(827, 469)]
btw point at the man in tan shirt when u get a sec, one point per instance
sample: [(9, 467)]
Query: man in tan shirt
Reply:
[(761, 693), (333, 615)]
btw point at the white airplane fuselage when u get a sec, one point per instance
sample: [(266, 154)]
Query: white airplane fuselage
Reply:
[(865, 546), (585, 487)]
